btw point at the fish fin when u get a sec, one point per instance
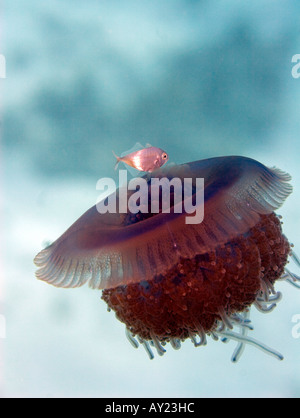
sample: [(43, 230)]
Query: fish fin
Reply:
[(148, 145), (118, 160), (137, 147), (115, 155)]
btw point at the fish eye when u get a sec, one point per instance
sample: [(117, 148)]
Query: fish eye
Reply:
[(164, 156)]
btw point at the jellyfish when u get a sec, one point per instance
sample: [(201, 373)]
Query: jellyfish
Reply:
[(168, 280)]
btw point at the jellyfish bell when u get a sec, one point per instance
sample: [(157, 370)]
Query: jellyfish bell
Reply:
[(168, 280)]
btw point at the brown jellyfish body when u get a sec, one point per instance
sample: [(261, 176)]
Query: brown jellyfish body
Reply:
[(168, 280)]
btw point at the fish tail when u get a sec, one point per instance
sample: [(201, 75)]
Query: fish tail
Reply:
[(118, 160)]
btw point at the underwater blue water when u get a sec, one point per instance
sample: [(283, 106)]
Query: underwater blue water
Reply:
[(196, 78)]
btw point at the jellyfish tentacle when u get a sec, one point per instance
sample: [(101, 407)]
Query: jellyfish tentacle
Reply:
[(131, 338), (267, 305), (175, 343), (295, 258), (200, 332), (291, 278), (225, 318), (194, 340), (270, 287), (160, 350), (147, 348), (267, 289), (263, 307), (242, 320), (202, 338), (251, 341), (236, 355), (288, 276)]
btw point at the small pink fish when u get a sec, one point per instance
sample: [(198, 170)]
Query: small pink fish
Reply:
[(146, 159)]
